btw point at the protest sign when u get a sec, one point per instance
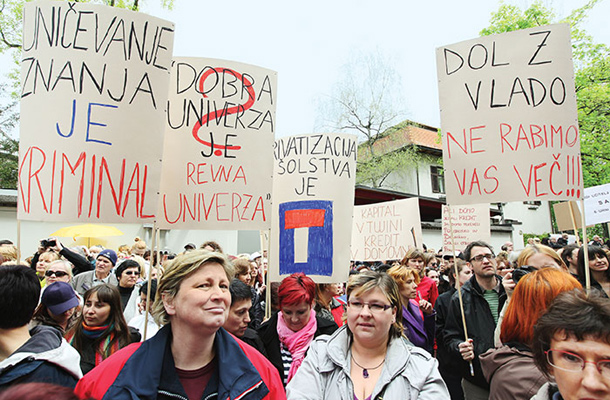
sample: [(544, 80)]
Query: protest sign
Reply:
[(94, 82), (385, 231), (508, 116), (567, 216), (469, 223), (313, 202), (217, 159), (597, 204)]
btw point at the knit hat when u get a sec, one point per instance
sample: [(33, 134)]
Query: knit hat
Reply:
[(109, 254), (59, 297)]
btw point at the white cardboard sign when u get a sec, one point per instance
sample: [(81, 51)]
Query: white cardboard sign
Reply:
[(218, 150), (509, 119), (94, 83), (313, 202), (469, 223), (385, 231), (597, 204)]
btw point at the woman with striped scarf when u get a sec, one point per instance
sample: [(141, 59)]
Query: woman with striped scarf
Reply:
[(101, 329)]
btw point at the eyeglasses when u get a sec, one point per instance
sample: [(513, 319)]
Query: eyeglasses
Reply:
[(480, 257), (58, 274), (374, 307), (572, 362), (136, 273)]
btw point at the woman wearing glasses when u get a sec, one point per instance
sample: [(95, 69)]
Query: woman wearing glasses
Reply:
[(368, 358), (289, 332), (513, 362), (572, 345), (127, 274), (58, 271)]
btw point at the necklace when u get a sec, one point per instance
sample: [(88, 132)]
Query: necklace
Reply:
[(365, 371)]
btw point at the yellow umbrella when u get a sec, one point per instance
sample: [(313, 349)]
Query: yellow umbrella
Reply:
[(88, 231)]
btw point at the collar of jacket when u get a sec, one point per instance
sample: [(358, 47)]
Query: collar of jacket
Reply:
[(472, 285), (237, 376), (339, 354), (45, 344)]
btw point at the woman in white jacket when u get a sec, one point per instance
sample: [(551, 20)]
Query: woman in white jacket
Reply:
[(368, 358)]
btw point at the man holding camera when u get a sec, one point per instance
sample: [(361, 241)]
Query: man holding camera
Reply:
[(483, 297)]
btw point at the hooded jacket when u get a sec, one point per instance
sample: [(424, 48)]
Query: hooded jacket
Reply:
[(408, 372), (147, 371), (511, 372), (45, 357), (480, 324)]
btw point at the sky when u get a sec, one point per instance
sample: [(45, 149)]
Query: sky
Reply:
[(309, 43)]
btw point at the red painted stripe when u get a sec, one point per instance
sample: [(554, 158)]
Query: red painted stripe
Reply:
[(304, 218)]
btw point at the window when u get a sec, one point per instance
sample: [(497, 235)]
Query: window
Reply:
[(532, 205), (437, 179)]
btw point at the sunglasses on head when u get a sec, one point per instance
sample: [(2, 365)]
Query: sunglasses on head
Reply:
[(131, 273), (58, 274)]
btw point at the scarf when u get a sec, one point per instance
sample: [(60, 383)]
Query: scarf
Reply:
[(105, 349), (296, 342)]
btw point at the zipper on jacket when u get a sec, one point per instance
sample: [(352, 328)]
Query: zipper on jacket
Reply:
[(175, 396), (253, 388)]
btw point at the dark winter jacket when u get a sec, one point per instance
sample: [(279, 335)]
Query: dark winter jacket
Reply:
[(480, 324), (147, 371), (45, 357)]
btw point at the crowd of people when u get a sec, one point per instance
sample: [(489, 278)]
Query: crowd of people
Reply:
[(131, 323)]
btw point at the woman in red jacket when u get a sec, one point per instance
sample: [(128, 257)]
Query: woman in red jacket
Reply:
[(192, 356)]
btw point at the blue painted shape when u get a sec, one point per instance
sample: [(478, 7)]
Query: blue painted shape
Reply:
[(320, 246)]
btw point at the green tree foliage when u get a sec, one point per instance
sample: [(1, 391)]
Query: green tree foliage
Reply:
[(11, 16), (592, 80)]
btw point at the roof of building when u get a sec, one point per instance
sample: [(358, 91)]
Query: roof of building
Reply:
[(408, 133)]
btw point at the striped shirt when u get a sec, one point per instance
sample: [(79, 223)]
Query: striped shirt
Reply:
[(492, 298), (286, 361)]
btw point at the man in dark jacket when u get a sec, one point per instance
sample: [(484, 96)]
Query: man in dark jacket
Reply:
[(483, 297), (37, 355)]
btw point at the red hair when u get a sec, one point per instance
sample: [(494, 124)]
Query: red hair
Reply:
[(38, 390), (296, 289), (531, 298)]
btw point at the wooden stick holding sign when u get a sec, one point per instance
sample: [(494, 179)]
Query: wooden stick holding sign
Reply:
[(585, 248), (147, 309), (18, 240), (265, 246), (458, 286)]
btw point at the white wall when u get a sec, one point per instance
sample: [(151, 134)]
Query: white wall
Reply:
[(535, 220)]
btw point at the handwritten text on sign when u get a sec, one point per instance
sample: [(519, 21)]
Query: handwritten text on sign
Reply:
[(385, 231), (597, 204), (218, 164), (469, 223), (509, 121), (313, 197), (94, 80)]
